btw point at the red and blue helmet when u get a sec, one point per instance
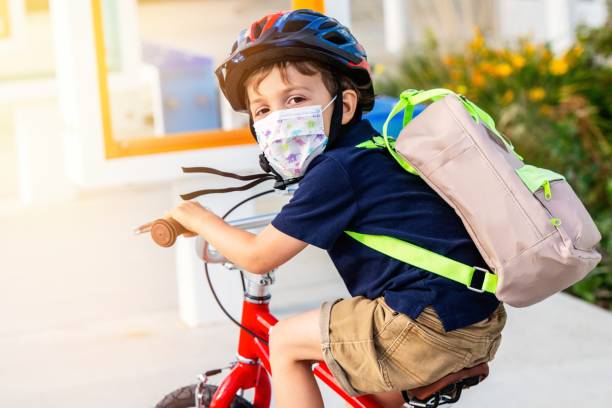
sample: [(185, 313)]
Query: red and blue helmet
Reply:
[(293, 35)]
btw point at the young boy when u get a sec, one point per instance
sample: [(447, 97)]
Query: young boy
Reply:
[(304, 80)]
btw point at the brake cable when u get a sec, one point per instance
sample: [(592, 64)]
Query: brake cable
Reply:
[(210, 284)]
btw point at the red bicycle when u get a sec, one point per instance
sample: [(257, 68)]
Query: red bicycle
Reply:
[(251, 369)]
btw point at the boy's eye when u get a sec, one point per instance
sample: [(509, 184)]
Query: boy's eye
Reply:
[(294, 100), (261, 111)]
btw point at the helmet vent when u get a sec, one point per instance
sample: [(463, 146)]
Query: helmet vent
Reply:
[(257, 30), (335, 37), (294, 26), (309, 13), (327, 24)]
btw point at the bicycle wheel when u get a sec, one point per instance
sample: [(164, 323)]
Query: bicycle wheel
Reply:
[(185, 398)]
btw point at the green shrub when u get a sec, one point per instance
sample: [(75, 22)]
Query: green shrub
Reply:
[(557, 110)]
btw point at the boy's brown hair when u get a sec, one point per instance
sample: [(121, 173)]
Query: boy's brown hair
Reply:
[(331, 79)]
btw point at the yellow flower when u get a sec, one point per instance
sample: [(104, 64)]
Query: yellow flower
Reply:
[(573, 53), (478, 80), (478, 42), (456, 75), (518, 61), (536, 94), (461, 89), (547, 111), (529, 48), (503, 70), (448, 60), (487, 67), (379, 69), (508, 96), (558, 66), (577, 50)]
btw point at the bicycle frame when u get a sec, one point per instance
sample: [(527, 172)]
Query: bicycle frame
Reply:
[(252, 369)]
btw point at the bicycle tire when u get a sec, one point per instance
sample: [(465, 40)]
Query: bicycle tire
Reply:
[(184, 397)]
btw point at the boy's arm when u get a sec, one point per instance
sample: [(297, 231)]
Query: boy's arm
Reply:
[(255, 253)]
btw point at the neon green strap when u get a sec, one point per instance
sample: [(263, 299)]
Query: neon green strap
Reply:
[(425, 259), (368, 144), (396, 109), (377, 142)]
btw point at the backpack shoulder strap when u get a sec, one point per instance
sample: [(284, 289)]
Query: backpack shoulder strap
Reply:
[(430, 261)]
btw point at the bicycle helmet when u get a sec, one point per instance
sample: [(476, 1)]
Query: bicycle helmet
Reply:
[(293, 35)]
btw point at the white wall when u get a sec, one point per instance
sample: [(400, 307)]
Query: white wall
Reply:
[(548, 20)]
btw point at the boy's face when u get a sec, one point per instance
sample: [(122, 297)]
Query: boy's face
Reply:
[(274, 94)]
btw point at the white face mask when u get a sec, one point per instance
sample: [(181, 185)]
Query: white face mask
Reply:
[(291, 138)]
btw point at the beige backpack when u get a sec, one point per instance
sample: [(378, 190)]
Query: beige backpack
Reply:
[(528, 224)]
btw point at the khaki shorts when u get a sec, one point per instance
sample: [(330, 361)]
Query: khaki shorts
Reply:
[(371, 348)]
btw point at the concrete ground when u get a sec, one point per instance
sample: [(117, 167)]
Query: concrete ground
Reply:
[(89, 318)]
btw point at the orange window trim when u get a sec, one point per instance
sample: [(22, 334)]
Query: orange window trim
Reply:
[(5, 18), (316, 5), (114, 149)]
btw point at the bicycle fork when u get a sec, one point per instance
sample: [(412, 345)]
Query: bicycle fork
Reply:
[(252, 360)]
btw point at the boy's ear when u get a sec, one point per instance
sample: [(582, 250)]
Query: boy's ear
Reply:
[(349, 105)]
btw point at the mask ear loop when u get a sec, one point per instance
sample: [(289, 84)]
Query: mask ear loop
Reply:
[(329, 103)]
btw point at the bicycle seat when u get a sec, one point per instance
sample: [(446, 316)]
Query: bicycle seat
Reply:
[(450, 384)]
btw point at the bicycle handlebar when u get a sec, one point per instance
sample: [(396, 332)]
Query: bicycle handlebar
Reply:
[(208, 254), (165, 232)]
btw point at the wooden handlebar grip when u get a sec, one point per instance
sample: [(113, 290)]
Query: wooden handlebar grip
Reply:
[(164, 232)]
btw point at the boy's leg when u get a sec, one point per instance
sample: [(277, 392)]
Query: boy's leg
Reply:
[(294, 344)]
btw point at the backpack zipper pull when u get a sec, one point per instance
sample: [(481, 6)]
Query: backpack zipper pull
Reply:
[(547, 192)]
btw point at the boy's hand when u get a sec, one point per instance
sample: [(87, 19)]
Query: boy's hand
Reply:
[(256, 253), (190, 215)]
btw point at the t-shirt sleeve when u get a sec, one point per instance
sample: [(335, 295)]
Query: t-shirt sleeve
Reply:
[(321, 207)]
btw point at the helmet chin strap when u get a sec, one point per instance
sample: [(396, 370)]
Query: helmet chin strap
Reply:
[(336, 128), (280, 183), (335, 125)]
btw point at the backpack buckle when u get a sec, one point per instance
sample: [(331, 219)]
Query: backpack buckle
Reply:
[(481, 279)]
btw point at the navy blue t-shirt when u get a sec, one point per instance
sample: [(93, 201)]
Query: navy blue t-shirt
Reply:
[(366, 191)]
